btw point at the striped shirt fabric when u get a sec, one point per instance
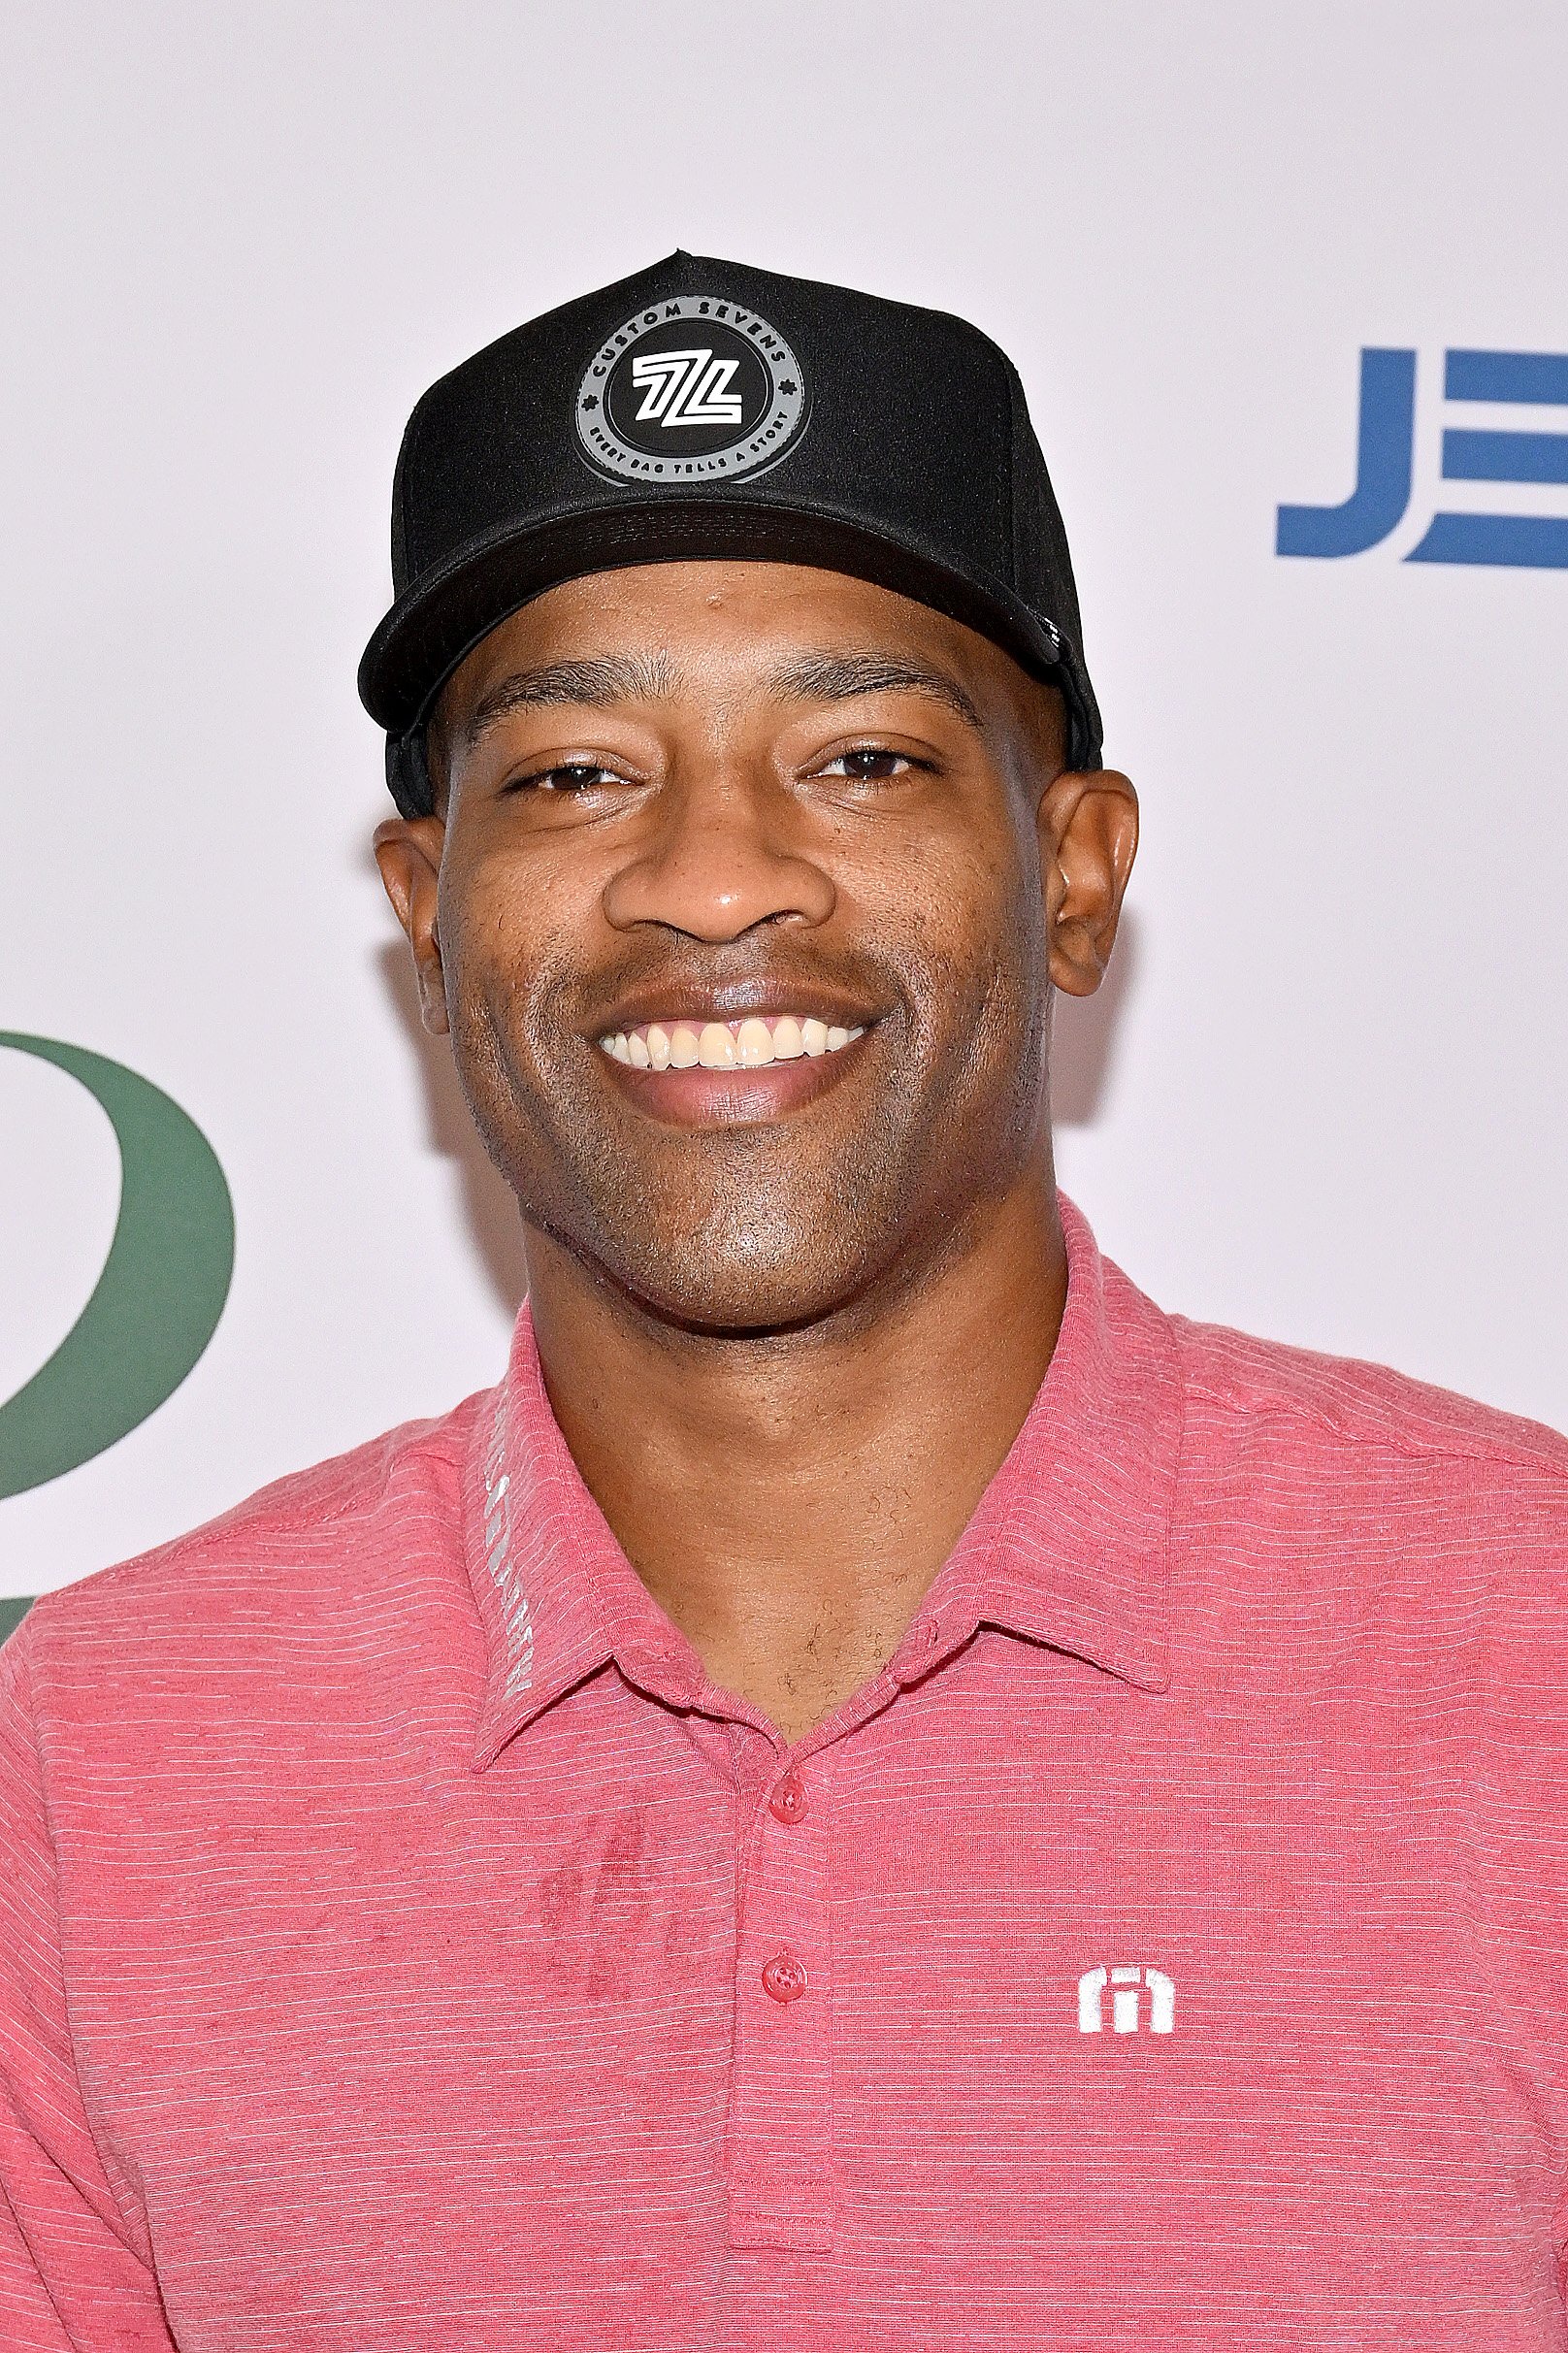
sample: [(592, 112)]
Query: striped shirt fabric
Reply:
[(404, 1946)]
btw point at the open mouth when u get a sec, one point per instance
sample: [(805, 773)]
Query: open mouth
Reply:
[(750, 1044), (751, 1067)]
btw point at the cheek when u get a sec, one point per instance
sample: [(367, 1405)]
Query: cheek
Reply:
[(509, 927), (963, 919)]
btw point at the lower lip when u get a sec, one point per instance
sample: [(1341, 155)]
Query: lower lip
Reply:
[(733, 1099)]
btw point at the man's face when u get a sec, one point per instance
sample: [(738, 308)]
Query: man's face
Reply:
[(743, 917)]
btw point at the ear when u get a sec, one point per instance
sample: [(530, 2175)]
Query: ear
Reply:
[(1088, 837), (408, 853)]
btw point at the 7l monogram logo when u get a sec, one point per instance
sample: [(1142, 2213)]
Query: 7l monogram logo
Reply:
[(1126, 1993), (1489, 452), (687, 388)]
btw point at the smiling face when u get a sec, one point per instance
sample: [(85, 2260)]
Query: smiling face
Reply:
[(743, 914)]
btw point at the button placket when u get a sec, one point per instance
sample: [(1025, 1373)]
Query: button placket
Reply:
[(780, 2138)]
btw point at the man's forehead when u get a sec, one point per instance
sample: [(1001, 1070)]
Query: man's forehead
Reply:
[(659, 633)]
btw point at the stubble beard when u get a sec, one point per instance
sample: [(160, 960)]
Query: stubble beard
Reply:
[(748, 1230)]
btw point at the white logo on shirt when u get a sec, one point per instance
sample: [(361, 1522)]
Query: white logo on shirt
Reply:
[(1127, 1991)]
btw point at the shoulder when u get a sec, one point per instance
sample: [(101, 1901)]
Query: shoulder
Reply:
[(1300, 1415), (303, 1544)]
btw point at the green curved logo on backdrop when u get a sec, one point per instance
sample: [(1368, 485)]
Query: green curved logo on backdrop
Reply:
[(161, 1292)]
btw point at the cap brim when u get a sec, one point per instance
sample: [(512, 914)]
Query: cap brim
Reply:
[(430, 630)]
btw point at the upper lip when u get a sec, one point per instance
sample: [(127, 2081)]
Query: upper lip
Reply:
[(733, 1000)]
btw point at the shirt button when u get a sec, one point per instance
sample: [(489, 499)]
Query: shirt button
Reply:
[(788, 1800), (784, 1978), (933, 1633)]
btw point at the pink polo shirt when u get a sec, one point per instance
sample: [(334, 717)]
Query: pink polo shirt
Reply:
[(404, 1947)]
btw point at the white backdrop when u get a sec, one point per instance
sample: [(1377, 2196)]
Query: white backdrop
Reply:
[(1324, 1098)]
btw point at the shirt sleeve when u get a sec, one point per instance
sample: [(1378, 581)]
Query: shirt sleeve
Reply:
[(72, 2278)]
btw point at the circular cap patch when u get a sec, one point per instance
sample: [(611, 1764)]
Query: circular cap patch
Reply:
[(691, 389)]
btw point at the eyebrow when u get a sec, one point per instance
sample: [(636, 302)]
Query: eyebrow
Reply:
[(600, 682), (835, 677)]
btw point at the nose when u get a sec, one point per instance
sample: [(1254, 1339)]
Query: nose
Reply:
[(721, 857)]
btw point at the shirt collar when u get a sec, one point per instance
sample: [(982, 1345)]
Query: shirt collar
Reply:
[(1066, 1548), (1068, 1544), (557, 1596)]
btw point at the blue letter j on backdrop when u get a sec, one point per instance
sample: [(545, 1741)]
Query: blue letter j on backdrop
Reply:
[(1385, 442)]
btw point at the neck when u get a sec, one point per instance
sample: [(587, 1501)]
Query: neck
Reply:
[(787, 1499)]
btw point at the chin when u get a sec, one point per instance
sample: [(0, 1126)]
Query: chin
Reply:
[(711, 1289)]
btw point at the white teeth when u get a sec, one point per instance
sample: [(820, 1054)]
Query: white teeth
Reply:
[(754, 1046), (751, 1044)]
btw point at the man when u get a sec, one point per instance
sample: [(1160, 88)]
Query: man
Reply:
[(878, 1789)]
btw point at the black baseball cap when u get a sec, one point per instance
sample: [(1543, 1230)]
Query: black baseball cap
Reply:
[(704, 408)]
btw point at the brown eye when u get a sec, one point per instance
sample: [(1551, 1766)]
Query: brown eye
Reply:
[(868, 764), (574, 777), (569, 776)]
